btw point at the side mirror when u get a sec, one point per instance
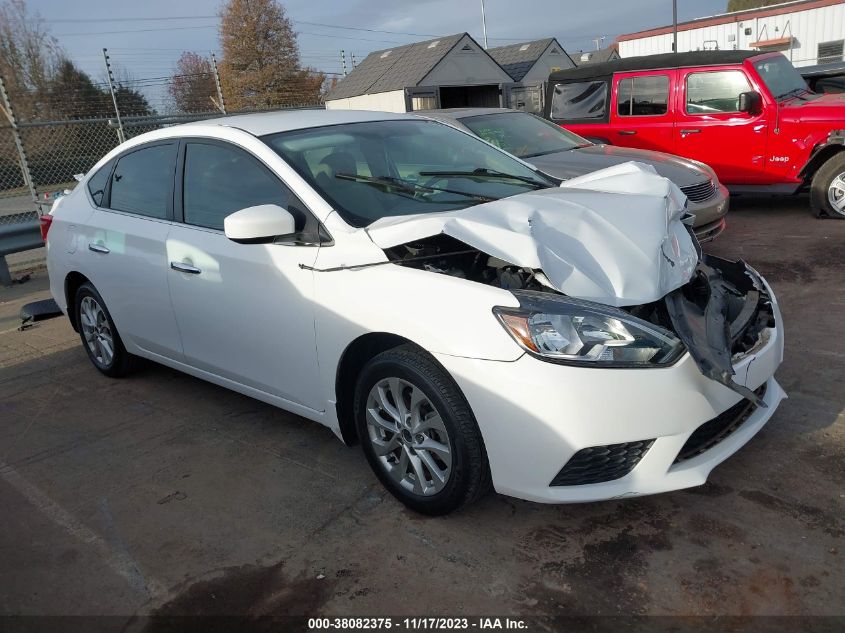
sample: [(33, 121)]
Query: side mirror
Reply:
[(750, 102), (255, 225)]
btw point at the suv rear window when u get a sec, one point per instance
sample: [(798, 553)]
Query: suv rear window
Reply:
[(583, 100)]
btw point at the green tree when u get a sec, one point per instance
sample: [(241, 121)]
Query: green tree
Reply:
[(72, 94)]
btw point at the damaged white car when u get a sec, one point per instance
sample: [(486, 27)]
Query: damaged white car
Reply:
[(468, 321)]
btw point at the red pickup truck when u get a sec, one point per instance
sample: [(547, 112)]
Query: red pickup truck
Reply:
[(750, 116)]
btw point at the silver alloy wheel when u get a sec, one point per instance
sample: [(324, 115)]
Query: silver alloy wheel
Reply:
[(408, 436), (836, 194), (97, 332)]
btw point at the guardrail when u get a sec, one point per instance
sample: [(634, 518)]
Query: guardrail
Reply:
[(18, 232)]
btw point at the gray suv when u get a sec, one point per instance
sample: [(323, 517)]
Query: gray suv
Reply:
[(562, 154)]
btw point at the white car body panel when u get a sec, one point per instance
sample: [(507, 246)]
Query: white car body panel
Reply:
[(262, 334), (614, 236), (257, 322)]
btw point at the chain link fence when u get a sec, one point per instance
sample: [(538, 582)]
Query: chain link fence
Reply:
[(55, 152)]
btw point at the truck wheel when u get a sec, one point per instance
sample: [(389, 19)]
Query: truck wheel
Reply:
[(827, 191)]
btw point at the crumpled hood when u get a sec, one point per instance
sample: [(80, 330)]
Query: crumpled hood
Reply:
[(614, 236)]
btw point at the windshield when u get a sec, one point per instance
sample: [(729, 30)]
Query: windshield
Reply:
[(780, 76), (377, 169), (523, 134)]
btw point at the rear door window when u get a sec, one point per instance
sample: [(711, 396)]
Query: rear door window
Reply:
[(142, 182), (716, 91), (643, 96), (583, 100)]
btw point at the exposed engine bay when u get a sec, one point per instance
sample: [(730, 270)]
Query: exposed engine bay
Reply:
[(721, 314)]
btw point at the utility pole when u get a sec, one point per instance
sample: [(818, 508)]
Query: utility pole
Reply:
[(353, 60), (222, 104), (343, 61), (120, 136), (484, 24), (674, 26)]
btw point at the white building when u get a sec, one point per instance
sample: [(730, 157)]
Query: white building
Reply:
[(807, 31)]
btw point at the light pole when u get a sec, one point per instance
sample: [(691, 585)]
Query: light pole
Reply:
[(484, 24), (674, 26)]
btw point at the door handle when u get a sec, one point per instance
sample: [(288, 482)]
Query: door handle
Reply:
[(182, 267), (627, 132), (98, 248), (690, 131)]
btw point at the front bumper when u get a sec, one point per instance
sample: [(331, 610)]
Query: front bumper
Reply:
[(710, 214), (534, 416)]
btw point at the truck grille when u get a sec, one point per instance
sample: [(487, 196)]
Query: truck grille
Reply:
[(601, 463), (701, 191), (714, 431)]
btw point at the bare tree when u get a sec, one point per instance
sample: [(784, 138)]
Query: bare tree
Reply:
[(29, 56), (192, 86), (261, 66)]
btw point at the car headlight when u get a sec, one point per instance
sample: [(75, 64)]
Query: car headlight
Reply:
[(564, 330)]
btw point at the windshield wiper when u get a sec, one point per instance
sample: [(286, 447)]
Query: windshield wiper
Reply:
[(407, 186), (795, 92), (483, 172)]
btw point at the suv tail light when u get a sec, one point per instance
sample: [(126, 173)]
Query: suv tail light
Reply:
[(46, 222)]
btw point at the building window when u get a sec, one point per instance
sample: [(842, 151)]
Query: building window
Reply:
[(831, 51), (643, 96), (423, 103), (584, 100)]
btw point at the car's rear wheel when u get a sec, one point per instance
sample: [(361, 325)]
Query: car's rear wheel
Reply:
[(827, 191), (99, 336), (418, 432)]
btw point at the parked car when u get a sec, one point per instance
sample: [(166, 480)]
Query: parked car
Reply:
[(417, 290), (748, 115), (825, 78), (563, 155)]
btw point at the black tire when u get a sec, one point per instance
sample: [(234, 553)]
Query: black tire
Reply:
[(122, 362), (820, 204), (469, 478)]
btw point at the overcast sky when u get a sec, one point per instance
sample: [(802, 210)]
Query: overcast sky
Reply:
[(151, 46)]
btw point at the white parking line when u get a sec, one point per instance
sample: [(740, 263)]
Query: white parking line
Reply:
[(120, 562)]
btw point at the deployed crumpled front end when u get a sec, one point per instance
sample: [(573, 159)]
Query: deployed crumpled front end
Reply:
[(619, 237)]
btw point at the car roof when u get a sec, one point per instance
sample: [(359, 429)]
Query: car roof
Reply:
[(262, 123), (654, 62)]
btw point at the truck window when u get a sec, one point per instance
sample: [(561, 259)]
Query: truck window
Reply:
[(717, 91), (642, 96), (584, 100)]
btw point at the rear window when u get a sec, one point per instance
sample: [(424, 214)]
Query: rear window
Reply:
[(583, 100)]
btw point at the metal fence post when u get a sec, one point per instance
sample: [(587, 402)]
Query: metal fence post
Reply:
[(16, 133), (222, 104), (120, 136)]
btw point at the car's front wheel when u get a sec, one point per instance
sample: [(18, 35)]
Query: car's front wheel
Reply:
[(99, 335), (418, 432), (827, 191)]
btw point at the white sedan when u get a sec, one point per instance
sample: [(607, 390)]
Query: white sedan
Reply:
[(467, 320)]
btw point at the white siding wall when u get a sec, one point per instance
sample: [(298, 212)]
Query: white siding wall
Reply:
[(808, 28), (381, 101)]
